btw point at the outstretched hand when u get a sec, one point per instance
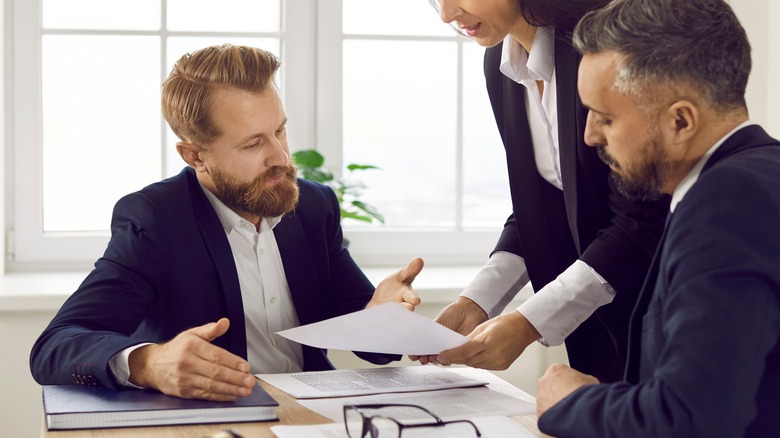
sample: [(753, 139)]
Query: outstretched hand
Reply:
[(397, 288), (189, 366)]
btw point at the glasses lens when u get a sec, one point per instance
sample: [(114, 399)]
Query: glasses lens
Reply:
[(384, 428), (353, 421)]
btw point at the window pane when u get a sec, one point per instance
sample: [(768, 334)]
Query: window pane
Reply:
[(101, 14), (399, 17), (224, 15), (101, 123), (486, 200), (400, 114), (176, 48)]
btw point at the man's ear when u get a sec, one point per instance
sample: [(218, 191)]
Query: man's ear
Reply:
[(684, 119), (190, 153)]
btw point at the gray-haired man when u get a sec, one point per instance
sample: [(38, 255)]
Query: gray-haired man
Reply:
[(664, 81)]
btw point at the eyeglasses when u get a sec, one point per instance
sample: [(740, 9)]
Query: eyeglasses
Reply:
[(360, 424), (436, 4)]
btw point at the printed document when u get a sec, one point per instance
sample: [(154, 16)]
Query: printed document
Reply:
[(388, 328), (489, 427), (448, 404), (337, 383)]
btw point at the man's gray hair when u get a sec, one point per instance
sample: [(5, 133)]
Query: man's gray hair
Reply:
[(696, 44)]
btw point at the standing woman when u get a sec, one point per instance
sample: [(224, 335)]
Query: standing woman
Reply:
[(584, 247)]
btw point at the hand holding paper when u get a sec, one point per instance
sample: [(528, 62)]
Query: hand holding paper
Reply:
[(388, 328)]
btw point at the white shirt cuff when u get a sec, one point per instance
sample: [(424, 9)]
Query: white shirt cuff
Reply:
[(497, 282), (563, 304), (120, 366)]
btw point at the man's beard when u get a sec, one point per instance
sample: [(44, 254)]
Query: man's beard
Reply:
[(256, 197), (642, 179)]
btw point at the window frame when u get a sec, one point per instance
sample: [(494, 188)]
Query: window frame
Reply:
[(312, 31)]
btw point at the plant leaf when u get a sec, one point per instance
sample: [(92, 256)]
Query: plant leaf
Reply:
[(361, 167), (308, 158), (320, 175), (370, 210)]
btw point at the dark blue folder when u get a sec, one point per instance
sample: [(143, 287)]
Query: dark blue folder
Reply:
[(86, 407)]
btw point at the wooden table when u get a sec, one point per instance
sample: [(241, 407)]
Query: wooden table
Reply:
[(289, 412)]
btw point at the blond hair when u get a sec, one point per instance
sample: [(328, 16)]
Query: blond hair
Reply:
[(187, 92)]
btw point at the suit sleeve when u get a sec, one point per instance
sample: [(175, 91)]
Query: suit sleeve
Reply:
[(621, 252), (710, 330), (352, 289), (98, 320)]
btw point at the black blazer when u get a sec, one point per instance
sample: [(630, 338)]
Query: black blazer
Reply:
[(705, 336), (588, 220), (168, 267)]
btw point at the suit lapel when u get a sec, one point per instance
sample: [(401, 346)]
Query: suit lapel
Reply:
[(642, 303), (213, 235), (570, 124), (299, 266)]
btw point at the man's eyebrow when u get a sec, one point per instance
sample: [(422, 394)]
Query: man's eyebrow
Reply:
[(601, 113), (261, 135)]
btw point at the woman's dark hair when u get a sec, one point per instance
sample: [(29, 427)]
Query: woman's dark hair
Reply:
[(561, 14)]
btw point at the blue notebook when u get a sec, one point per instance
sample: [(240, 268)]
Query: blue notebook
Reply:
[(89, 407)]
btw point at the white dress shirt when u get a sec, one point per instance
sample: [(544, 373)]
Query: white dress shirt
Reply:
[(560, 306), (265, 295)]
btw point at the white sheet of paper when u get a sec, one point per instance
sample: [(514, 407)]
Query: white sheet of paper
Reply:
[(388, 328), (489, 427), (339, 383), (448, 403)]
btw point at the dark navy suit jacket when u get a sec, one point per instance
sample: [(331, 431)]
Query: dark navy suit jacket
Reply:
[(168, 267), (588, 220), (705, 336)]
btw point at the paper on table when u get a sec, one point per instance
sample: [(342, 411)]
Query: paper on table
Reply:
[(338, 383), (448, 404), (489, 427), (388, 328)]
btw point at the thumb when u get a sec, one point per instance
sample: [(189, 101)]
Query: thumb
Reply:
[(410, 272), (212, 330)]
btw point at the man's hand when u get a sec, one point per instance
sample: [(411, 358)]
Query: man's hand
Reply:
[(397, 288), (462, 316), (494, 344), (189, 366), (558, 382)]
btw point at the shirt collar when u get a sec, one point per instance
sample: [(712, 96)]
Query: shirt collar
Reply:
[(229, 218), (518, 65), (685, 185)]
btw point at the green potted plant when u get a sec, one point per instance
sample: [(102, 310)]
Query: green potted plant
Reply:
[(348, 190)]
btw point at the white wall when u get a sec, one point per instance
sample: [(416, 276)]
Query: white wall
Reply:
[(763, 91), (20, 413)]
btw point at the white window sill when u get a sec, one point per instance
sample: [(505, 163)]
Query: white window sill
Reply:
[(47, 291)]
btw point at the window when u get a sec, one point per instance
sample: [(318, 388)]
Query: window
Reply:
[(394, 88)]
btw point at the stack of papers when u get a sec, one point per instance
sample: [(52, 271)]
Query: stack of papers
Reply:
[(339, 383)]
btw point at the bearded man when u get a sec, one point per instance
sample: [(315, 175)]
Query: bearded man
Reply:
[(664, 81), (204, 267)]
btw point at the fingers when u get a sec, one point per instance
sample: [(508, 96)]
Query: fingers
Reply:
[(212, 330), (411, 298), (189, 366), (410, 272)]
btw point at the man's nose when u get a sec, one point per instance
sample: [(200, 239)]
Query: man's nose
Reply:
[(592, 136), (280, 155)]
